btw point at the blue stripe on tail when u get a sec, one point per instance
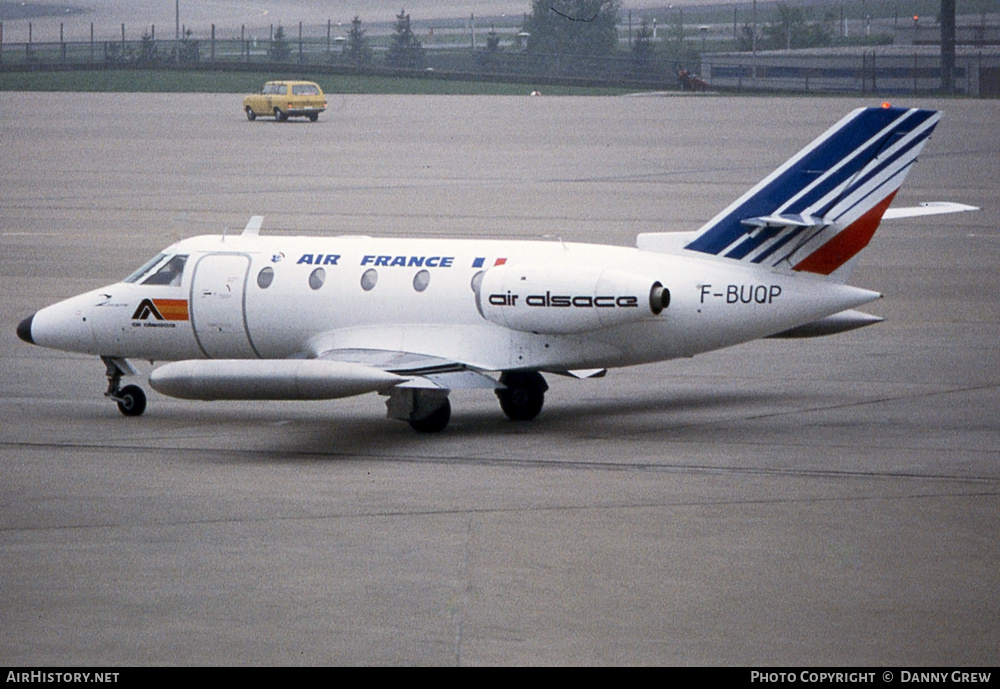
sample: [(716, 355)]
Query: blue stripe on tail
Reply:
[(822, 175)]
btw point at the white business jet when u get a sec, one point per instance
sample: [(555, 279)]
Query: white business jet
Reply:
[(250, 317)]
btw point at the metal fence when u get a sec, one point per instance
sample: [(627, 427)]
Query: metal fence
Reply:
[(318, 49), (322, 56)]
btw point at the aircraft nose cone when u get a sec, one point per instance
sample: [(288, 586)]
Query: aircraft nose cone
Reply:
[(24, 329)]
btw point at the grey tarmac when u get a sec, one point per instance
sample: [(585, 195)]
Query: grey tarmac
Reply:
[(830, 501)]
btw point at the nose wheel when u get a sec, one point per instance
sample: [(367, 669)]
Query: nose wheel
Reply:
[(131, 399)]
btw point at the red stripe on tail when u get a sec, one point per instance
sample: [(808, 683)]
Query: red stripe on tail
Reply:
[(846, 244)]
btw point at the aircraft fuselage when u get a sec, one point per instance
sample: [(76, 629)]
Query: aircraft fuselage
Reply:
[(496, 305)]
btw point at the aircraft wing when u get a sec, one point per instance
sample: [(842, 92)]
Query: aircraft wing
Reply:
[(419, 370)]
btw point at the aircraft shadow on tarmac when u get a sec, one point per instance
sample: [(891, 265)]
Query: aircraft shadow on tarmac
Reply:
[(299, 431)]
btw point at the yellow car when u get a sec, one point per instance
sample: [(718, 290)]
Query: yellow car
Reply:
[(284, 99)]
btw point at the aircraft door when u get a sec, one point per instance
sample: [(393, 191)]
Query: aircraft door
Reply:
[(218, 312)]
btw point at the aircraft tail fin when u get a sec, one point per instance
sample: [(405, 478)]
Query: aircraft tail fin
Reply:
[(819, 209)]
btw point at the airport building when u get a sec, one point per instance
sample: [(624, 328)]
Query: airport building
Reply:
[(888, 69), (911, 64)]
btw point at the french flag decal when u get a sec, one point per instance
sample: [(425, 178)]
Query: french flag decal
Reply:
[(480, 261)]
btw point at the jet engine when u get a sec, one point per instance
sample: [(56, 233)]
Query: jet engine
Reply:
[(565, 300)]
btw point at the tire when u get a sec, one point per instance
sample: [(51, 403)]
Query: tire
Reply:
[(523, 396), (131, 400), (251, 115), (436, 422), (313, 116), (279, 116)]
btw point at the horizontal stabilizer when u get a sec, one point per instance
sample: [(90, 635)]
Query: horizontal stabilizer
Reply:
[(284, 379), (831, 325), (929, 208), (796, 220)]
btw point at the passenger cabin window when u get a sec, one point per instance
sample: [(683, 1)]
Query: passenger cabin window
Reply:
[(421, 280), (265, 277), (304, 90), (368, 279), (164, 269)]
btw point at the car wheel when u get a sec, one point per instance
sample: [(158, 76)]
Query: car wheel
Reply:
[(313, 117), (279, 116), (251, 115)]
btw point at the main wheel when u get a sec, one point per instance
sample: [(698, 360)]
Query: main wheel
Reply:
[(435, 422), (523, 394), (131, 400), (251, 115)]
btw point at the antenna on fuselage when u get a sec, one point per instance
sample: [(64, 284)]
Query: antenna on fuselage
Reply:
[(556, 237), (253, 226)]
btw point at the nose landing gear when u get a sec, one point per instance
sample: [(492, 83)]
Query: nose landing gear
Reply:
[(131, 399)]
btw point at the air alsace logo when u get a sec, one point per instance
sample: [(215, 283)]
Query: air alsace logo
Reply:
[(151, 311), (581, 301)]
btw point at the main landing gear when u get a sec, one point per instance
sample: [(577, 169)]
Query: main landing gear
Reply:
[(522, 394), (428, 411), (131, 399)]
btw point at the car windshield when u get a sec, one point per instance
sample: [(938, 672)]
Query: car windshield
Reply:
[(164, 269)]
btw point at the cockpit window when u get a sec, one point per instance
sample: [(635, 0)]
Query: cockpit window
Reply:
[(170, 273), (146, 267), (162, 270)]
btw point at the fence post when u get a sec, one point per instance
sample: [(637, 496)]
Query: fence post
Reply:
[(213, 45), (1, 42), (301, 58)]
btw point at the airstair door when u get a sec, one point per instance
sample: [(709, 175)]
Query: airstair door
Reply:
[(218, 312)]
